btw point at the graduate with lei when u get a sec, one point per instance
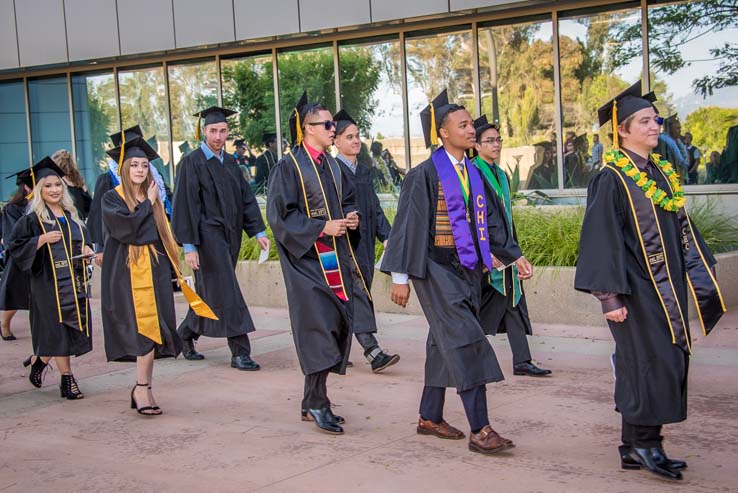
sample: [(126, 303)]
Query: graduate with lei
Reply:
[(640, 255), (50, 245)]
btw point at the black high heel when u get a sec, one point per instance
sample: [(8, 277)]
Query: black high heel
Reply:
[(69, 388), (155, 408), (146, 410), (9, 337), (36, 377)]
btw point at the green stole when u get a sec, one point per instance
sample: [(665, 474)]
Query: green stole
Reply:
[(502, 188)]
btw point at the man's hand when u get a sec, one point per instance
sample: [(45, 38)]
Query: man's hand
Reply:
[(496, 263), (263, 242), (400, 294), (618, 315), (336, 227), (193, 260), (89, 252), (352, 220), (99, 259), (525, 270)]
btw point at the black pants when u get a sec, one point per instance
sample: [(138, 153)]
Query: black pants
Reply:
[(641, 436), (518, 340), (239, 345), (368, 341), (315, 395), (474, 400)]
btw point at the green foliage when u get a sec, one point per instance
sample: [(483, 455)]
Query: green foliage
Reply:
[(549, 238), (719, 230), (709, 127), (100, 119)]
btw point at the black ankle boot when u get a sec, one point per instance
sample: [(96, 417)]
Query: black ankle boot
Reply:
[(36, 377), (69, 388)]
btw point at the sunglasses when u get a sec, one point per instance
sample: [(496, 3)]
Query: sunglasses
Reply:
[(327, 124)]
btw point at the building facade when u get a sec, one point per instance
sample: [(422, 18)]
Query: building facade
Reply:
[(73, 71)]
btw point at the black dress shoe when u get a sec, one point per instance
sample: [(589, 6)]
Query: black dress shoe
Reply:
[(529, 369), (644, 458), (349, 364), (324, 420), (383, 361), (658, 455), (189, 352), (339, 419), (244, 363)]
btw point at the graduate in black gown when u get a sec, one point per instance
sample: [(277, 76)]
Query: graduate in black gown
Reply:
[(14, 288), (75, 182), (311, 209), (442, 237), (50, 245), (213, 206), (138, 314), (265, 162), (374, 226), (638, 252), (504, 309)]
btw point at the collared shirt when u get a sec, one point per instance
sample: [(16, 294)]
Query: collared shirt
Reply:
[(314, 153), (597, 150), (351, 166), (209, 154)]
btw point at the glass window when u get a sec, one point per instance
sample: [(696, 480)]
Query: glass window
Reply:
[(310, 70), (13, 134), (143, 102), (193, 86), (371, 93), (436, 61), (95, 117), (594, 69), (248, 87), (693, 56), (516, 74), (50, 126)]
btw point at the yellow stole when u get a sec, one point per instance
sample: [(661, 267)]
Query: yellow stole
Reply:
[(142, 292)]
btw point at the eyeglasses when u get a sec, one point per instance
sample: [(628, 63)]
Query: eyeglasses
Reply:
[(327, 124), (498, 140)]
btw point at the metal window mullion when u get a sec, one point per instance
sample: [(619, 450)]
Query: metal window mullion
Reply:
[(170, 131), (29, 134), (644, 48), (336, 76), (405, 108), (277, 117), (219, 79), (475, 71), (558, 107), (119, 111), (70, 100)]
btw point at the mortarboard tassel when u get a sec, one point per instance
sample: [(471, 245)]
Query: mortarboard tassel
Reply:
[(198, 136), (298, 127), (122, 156), (615, 138), (33, 181), (433, 129)]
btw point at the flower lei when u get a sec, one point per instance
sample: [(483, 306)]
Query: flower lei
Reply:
[(654, 193)]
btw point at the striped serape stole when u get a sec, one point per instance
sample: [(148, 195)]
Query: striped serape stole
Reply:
[(331, 269), (444, 237)]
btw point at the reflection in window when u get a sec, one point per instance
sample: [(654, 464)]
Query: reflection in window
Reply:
[(310, 70), (593, 70), (517, 85), (50, 126), (372, 95), (248, 87), (13, 134), (95, 117), (436, 62), (694, 58), (193, 86), (143, 102)]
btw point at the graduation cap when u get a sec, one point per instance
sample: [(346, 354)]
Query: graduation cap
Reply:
[(268, 137), (184, 147), (624, 105), (343, 120), (432, 115), (481, 125), (130, 133), (136, 147), (298, 116), (214, 114), (239, 143), (42, 169)]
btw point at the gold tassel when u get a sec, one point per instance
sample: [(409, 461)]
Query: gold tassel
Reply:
[(198, 135), (298, 125), (615, 138), (433, 129), (33, 181), (122, 156)]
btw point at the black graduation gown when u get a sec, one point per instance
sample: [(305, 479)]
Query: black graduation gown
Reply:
[(103, 183), (457, 351), (373, 226), (321, 323), (651, 372), (50, 337), (264, 164), (15, 291), (212, 205), (123, 228), (82, 201)]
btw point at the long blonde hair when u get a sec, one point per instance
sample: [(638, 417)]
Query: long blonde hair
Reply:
[(39, 207), (160, 217), (63, 158)]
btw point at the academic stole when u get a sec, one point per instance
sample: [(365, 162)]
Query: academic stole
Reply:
[(143, 294), (67, 287), (702, 284), (330, 264), (457, 193), (502, 188)]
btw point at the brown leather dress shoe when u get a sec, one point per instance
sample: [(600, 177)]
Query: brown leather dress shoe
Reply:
[(440, 430), (487, 441)]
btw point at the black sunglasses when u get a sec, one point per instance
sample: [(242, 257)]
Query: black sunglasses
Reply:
[(327, 124)]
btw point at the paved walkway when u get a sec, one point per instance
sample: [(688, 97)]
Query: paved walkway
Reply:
[(226, 430)]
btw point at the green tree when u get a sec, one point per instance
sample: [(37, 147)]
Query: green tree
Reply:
[(709, 126)]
